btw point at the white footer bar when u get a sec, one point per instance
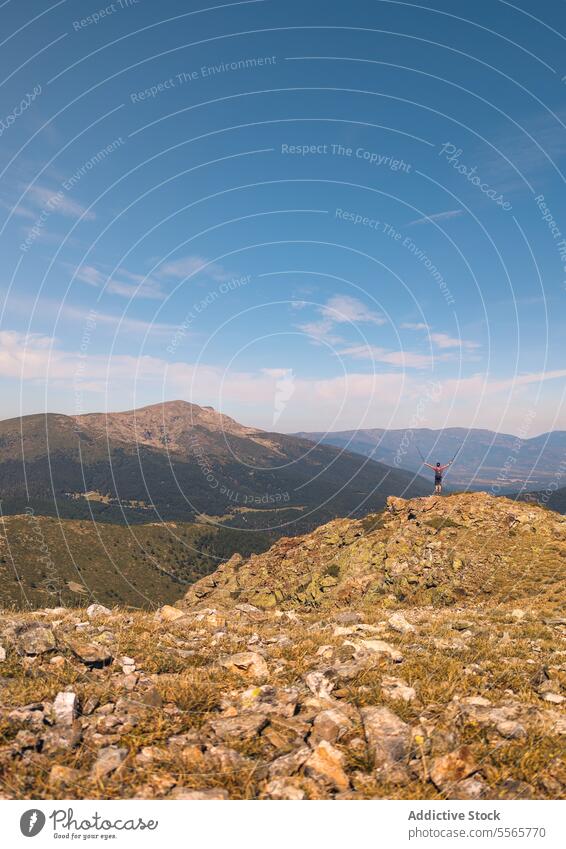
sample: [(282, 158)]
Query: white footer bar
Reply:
[(284, 825)]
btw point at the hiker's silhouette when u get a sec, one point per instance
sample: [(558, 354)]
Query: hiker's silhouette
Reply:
[(438, 471)]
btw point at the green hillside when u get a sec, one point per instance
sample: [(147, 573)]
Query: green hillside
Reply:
[(45, 562)]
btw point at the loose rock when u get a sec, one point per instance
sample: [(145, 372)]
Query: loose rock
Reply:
[(65, 708), (36, 639), (388, 737), (326, 764), (248, 663), (398, 622), (198, 795), (453, 767), (109, 759)]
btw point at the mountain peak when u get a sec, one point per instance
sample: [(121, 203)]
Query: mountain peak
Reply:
[(160, 424)]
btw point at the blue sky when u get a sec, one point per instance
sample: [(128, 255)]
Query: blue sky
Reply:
[(308, 215)]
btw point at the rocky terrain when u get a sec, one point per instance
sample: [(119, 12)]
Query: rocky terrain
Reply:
[(417, 653)]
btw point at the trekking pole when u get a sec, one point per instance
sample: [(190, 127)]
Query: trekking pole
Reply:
[(455, 455), (457, 452)]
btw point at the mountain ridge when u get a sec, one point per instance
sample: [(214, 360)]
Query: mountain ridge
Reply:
[(485, 459), (178, 460)]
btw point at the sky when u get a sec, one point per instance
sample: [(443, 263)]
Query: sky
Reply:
[(310, 216)]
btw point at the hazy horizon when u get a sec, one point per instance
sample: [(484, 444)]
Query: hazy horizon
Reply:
[(246, 423)]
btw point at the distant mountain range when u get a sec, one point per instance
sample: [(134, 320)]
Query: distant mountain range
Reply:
[(553, 499), (486, 460), (180, 461)]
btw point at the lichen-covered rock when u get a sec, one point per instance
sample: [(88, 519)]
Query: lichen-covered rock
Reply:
[(238, 727), (35, 639), (422, 550)]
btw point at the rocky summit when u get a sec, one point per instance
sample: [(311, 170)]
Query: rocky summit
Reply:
[(418, 653), (427, 551)]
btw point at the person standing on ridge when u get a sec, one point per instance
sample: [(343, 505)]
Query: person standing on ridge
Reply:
[(438, 470)]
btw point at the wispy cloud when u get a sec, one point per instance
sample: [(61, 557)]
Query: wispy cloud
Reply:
[(121, 323), (340, 309), (349, 400), (437, 216), (344, 308), (403, 359), (470, 390), (144, 289), (134, 286), (191, 265), (409, 325), (527, 379), (19, 211), (531, 159), (91, 275), (48, 308), (58, 202), (442, 340)]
